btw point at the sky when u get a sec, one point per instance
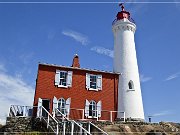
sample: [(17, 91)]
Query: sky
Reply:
[(53, 32)]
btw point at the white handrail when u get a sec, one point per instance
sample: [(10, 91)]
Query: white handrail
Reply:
[(98, 128), (57, 127), (73, 121)]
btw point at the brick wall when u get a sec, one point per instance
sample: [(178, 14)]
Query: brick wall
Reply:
[(78, 93)]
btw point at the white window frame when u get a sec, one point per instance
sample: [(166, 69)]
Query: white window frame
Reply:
[(66, 75), (66, 109), (68, 78), (92, 102), (98, 109), (60, 107), (98, 82), (92, 75)]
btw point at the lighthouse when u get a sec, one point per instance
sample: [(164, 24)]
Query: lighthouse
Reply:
[(125, 63)]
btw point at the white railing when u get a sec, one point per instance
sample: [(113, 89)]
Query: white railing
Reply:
[(21, 111), (47, 118), (104, 133), (106, 115), (72, 122), (28, 111)]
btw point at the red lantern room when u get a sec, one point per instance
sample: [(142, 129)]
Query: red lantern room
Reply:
[(123, 14)]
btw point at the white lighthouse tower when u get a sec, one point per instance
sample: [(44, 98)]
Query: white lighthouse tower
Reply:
[(125, 63)]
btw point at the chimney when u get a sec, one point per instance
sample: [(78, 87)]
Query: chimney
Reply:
[(76, 61)]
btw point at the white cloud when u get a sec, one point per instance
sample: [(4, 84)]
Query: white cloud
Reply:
[(144, 78), (103, 51), (15, 91), (173, 76), (83, 39)]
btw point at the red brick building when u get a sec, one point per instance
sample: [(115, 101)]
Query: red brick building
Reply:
[(77, 92)]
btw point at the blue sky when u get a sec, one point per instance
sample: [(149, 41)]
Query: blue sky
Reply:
[(53, 33)]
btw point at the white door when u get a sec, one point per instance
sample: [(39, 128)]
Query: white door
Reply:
[(39, 108)]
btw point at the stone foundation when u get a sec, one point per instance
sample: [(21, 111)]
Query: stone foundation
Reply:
[(22, 125)]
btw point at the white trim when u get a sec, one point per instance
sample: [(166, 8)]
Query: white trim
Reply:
[(62, 86), (91, 89)]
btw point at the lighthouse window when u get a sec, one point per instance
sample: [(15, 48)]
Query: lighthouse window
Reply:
[(131, 85)]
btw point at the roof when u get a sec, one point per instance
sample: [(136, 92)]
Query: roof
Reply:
[(76, 68)]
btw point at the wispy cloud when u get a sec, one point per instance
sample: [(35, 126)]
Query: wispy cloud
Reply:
[(79, 37), (162, 113), (13, 90), (173, 76), (144, 78), (103, 51)]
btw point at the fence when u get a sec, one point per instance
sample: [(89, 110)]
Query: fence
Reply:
[(21, 111), (75, 113)]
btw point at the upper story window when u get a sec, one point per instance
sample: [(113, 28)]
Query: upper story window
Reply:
[(63, 78), (93, 82), (131, 84)]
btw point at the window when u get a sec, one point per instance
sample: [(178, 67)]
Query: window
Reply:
[(63, 78), (93, 82), (92, 109), (131, 85), (61, 105)]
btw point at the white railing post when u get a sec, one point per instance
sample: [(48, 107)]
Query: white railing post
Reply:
[(83, 114), (57, 128), (124, 117), (111, 116), (48, 121), (64, 128), (40, 112), (89, 127), (72, 128), (68, 113), (54, 113), (97, 115), (24, 110)]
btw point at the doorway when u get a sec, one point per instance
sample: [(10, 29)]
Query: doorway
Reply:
[(46, 105)]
